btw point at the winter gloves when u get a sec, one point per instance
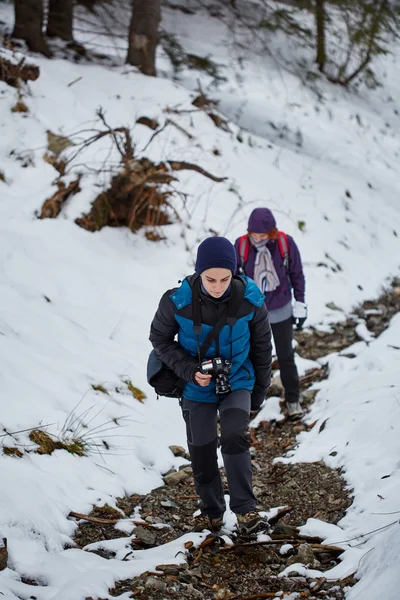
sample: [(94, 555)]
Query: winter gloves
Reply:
[(299, 314)]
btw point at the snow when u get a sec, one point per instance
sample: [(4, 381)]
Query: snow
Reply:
[(76, 306)]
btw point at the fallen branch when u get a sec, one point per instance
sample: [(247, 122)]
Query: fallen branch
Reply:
[(280, 513), (177, 165), (102, 521), (255, 596), (52, 206), (180, 128)]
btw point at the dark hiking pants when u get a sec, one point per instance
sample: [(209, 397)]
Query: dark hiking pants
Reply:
[(201, 428), (283, 338)]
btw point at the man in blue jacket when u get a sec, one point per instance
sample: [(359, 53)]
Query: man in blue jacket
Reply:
[(277, 277), (231, 378)]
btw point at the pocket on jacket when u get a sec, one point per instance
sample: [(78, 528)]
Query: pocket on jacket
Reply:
[(186, 416)]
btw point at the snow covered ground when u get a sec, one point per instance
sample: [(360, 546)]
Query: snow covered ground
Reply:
[(76, 306)]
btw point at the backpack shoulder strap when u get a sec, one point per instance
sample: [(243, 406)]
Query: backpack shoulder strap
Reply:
[(244, 246), (237, 295), (228, 317), (283, 244)]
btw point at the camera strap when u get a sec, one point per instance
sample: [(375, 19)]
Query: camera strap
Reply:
[(228, 317)]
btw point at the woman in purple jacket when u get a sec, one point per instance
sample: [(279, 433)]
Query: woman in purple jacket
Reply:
[(265, 264)]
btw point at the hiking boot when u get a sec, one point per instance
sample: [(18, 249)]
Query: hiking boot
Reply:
[(251, 522), (294, 410), (214, 524)]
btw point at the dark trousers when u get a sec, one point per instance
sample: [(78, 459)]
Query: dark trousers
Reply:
[(283, 338), (202, 438)]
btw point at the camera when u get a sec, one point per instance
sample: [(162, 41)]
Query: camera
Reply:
[(219, 369)]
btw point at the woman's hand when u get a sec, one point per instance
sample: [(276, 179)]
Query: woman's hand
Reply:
[(202, 379)]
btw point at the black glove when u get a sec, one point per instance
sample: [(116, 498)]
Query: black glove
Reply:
[(299, 314)]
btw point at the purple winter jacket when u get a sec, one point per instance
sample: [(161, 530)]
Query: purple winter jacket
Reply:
[(282, 294)]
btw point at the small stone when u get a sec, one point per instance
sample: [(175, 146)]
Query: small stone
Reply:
[(168, 568), (193, 592), (176, 477), (197, 573), (286, 550), (186, 577), (145, 535), (276, 388), (283, 529), (333, 306), (168, 504), (222, 594), (178, 451), (298, 428), (305, 556), (154, 583), (308, 397)]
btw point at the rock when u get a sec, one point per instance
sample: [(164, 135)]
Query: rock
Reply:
[(186, 577), (153, 583), (194, 593), (308, 397), (286, 550), (145, 535), (287, 584), (298, 428), (171, 569), (168, 504), (176, 477), (223, 594), (276, 388), (197, 572), (187, 470), (178, 451), (333, 306), (3, 554), (305, 556), (283, 529)]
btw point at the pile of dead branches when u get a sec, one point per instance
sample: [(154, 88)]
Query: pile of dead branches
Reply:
[(14, 68), (139, 192)]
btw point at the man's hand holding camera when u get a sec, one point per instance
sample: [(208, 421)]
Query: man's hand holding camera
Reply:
[(202, 379)]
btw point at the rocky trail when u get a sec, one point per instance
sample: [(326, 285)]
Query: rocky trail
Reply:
[(248, 570)]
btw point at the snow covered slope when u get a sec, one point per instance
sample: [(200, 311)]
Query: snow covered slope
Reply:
[(76, 306)]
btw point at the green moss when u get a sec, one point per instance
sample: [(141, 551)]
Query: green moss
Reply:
[(47, 445), (99, 388), (136, 392), (12, 452), (301, 225)]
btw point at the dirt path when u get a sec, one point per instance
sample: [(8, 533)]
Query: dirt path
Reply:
[(243, 572)]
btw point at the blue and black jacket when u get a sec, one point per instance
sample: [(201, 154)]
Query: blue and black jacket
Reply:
[(246, 341)]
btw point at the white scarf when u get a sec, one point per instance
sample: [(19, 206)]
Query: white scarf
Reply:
[(265, 274)]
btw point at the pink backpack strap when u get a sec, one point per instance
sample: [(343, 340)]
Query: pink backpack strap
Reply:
[(244, 246), (284, 248)]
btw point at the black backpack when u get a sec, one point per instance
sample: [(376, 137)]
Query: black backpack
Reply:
[(164, 381)]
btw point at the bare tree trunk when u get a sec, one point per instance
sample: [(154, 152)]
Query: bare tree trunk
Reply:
[(29, 24), (59, 21), (320, 22), (143, 32)]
